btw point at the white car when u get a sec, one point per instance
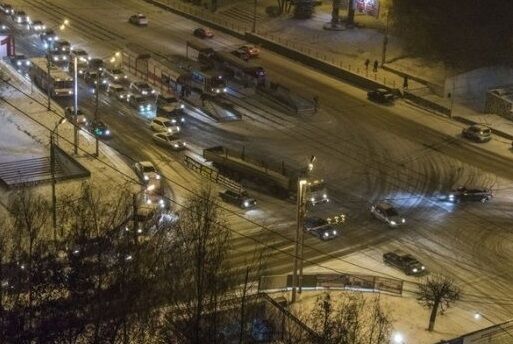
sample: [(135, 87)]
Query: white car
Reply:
[(146, 171), (118, 91), (138, 19), (387, 213), (116, 74), (142, 88), (164, 124), (169, 140)]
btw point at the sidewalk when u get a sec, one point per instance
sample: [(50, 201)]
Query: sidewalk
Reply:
[(26, 127), (346, 50)]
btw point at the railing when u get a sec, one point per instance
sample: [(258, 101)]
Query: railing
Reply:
[(211, 174)]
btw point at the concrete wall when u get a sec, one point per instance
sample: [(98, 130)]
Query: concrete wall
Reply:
[(470, 88)]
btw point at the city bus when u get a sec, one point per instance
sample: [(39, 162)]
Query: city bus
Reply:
[(58, 82)]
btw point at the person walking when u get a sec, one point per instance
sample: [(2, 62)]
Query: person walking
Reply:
[(375, 69), (405, 82), (367, 62), (316, 102)]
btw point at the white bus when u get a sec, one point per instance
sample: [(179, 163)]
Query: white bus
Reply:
[(58, 82)]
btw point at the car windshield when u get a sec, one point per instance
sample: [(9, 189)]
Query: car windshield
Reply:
[(148, 169), (390, 212), (167, 124)]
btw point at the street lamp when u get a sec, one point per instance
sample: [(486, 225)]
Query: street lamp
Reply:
[(52, 172), (398, 338), (297, 280)]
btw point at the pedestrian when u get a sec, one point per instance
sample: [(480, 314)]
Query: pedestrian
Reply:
[(375, 66), (367, 62), (405, 82), (316, 102)]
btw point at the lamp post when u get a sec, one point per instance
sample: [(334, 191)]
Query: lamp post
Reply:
[(297, 273), (52, 172)]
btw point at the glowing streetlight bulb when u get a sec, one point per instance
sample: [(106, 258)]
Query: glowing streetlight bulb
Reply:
[(66, 22), (398, 338), (477, 316)]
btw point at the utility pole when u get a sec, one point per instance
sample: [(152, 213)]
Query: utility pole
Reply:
[(298, 242), (385, 42), (48, 77), (253, 28), (52, 173), (297, 277), (96, 110), (75, 95)]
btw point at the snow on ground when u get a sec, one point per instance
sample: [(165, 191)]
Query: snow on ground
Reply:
[(410, 319), (27, 136)]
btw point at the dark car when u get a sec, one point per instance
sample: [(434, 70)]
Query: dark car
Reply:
[(463, 193), (20, 61), (203, 33), (48, 37), (79, 119), (320, 228), (404, 262), (477, 133), (96, 64), (141, 103), (100, 129), (381, 95), (138, 19), (241, 199), (6, 9)]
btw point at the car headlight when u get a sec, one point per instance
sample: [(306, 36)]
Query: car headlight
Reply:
[(423, 267), (312, 199), (152, 91), (403, 220), (64, 58), (18, 63), (144, 92), (184, 144), (182, 120), (55, 58), (393, 223), (70, 92), (326, 234), (141, 107), (107, 132), (148, 107), (415, 270), (225, 89), (157, 176), (334, 232), (146, 177), (246, 204), (27, 63), (324, 196), (125, 77), (148, 201), (182, 106), (173, 121), (116, 77), (175, 145)]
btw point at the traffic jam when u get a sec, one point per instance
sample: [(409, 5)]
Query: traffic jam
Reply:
[(162, 99)]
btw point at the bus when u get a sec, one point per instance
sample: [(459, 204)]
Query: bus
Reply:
[(57, 82), (245, 72)]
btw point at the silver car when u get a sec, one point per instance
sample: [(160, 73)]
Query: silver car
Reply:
[(169, 140), (477, 133), (387, 213)]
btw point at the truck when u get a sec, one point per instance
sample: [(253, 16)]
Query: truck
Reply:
[(50, 78), (279, 180)]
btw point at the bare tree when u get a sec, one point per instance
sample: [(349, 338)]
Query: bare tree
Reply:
[(437, 292), (350, 320), (29, 215), (199, 276)]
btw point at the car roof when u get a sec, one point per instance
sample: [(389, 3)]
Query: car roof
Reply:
[(480, 126), (146, 163), (384, 205)]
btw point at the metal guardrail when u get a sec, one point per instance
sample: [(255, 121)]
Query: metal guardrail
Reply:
[(333, 282), (211, 174)]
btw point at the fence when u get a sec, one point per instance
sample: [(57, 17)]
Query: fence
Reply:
[(333, 282), (211, 174)]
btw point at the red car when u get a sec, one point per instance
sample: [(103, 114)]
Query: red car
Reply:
[(203, 33), (250, 50)]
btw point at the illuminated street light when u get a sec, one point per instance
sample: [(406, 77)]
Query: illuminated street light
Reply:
[(398, 338)]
